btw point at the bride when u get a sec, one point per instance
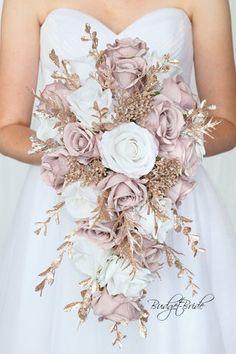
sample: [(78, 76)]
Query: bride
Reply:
[(195, 32)]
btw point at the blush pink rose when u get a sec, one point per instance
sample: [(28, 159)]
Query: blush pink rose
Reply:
[(102, 232), (176, 89), (124, 192), (80, 142), (116, 308), (124, 59), (56, 92), (126, 48), (185, 151), (152, 252), (181, 189), (128, 73), (177, 152), (165, 121), (54, 167)]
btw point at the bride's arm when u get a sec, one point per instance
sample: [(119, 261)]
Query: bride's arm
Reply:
[(215, 69), (19, 57)]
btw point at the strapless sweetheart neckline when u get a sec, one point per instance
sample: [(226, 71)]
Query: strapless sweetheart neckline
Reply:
[(165, 30), (147, 15)]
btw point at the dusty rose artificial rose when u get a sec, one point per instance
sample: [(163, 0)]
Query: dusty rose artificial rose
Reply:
[(124, 192), (54, 167), (126, 48), (80, 142), (165, 121), (124, 59), (152, 252), (180, 190), (177, 90), (103, 233), (178, 152), (115, 308), (58, 92), (128, 73), (185, 151)]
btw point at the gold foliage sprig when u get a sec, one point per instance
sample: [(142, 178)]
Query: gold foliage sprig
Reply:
[(119, 336), (152, 81), (89, 174), (199, 121), (71, 80), (102, 114), (102, 212), (134, 107), (84, 306), (143, 319), (91, 36), (41, 146), (53, 214), (173, 260), (180, 226), (163, 176), (130, 247), (49, 274)]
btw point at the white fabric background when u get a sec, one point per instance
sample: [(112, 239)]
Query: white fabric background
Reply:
[(221, 168)]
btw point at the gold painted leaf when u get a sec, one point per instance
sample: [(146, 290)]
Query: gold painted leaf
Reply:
[(55, 59), (72, 306)]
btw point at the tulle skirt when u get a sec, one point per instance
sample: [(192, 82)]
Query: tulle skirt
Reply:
[(30, 324)]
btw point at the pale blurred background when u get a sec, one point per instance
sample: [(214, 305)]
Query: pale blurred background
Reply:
[(221, 168)]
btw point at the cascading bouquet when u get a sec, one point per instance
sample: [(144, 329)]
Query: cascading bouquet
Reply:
[(121, 142)]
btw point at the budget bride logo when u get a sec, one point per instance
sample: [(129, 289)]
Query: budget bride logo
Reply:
[(177, 305)]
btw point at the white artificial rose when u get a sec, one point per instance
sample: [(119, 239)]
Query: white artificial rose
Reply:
[(87, 257), (147, 221), (83, 66), (46, 129), (82, 103), (116, 275), (129, 149), (80, 201)]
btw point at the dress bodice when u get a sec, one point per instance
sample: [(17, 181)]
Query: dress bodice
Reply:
[(166, 30)]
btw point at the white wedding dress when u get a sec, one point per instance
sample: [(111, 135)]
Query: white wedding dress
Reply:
[(30, 324)]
